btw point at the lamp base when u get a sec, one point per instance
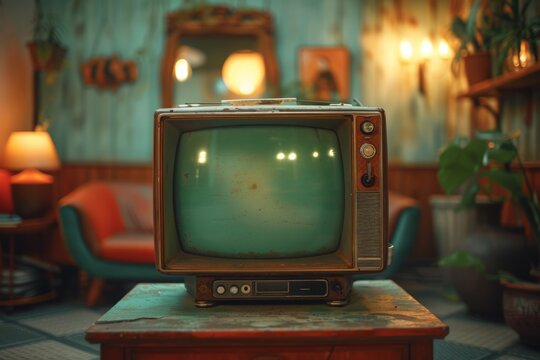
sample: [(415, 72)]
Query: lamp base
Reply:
[(32, 200), (32, 193)]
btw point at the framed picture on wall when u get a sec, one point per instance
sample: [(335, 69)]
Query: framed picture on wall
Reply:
[(324, 73)]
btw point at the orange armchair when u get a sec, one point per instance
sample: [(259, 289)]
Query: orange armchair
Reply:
[(108, 230)]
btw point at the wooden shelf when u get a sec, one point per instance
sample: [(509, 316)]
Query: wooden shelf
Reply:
[(523, 80)]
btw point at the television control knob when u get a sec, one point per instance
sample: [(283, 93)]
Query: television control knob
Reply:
[(220, 290), (234, 290), (367, 181), (367, 127), (367, 151)]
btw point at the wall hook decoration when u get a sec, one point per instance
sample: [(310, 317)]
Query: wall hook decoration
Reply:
[(108, 72)]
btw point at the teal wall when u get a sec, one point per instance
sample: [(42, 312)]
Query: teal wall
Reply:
[(91, 125)]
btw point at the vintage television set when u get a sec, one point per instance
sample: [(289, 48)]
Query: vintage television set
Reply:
[(266, 201)]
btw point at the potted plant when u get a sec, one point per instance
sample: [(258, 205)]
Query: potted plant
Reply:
[(518, 38), (46, 50), (475, 35), (489, 164)]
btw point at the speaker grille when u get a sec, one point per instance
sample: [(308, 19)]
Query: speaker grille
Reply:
[(369, 220)]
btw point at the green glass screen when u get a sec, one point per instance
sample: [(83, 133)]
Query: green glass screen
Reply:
[(259, 191)]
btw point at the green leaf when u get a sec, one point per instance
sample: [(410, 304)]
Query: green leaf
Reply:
[(503, 152), (503, 275), (508, 180), (471, 22), (459, 162), (462, 259), (459, 29), (469, 196), (489, 135), (455, 168), (530, 209), (476, 149)]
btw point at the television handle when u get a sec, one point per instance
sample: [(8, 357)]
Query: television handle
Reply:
[(277, 101)]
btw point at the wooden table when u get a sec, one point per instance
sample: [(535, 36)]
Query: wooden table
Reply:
[(39, 228), (160, 321)]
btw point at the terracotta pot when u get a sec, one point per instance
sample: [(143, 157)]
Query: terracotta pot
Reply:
[(477, 67), (499, 249), (522, 310)]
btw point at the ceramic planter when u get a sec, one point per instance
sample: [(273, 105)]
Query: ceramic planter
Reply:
[(498, 248), (47, 56), (477, 67), (522, 310)]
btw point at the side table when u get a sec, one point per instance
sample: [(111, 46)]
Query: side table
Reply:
[(39, 226), (160, 321)]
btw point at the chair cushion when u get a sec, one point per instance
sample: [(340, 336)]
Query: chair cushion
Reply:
[(135, 205), (129, 247)]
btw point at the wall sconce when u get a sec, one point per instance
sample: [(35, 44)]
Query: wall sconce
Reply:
[(243, 73), (425, 54), (31, 151)]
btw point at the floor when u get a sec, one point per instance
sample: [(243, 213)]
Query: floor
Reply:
[(55, 330)]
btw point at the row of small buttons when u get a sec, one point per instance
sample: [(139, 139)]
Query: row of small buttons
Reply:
[(245, 289)]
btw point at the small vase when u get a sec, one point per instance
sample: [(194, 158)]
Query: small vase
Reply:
[(47, 56)]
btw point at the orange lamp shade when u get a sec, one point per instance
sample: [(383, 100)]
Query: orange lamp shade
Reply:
[(30, 149), (243, 73)]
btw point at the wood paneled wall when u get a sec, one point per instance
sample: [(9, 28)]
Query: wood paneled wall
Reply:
[(417, 181), (74, 175)]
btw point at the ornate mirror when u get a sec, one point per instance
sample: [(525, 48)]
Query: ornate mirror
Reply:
[(214, 53)]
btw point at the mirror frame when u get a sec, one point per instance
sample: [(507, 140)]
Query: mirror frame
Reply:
[(218, 21)]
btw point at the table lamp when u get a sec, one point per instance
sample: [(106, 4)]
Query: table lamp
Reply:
[(29, 152)]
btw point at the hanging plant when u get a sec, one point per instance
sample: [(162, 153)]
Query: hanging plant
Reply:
[(46, 50)]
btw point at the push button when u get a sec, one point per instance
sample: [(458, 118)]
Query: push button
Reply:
[(220, 290)]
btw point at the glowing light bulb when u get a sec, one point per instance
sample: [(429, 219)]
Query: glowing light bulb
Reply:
[(246, 88), (426, 49), (331, 153), (202, 157), (525, 57), (444, 49), (280, 156), (182, 70), (405, 50), (243, 72), (292, 156), (315, 154)]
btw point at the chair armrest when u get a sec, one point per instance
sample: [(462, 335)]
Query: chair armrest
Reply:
[(404, 238), (98, 213)]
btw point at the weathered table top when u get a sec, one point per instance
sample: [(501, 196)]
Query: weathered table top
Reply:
[(167, 312)]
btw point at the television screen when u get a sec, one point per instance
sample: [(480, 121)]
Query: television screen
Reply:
[(259, 191)]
